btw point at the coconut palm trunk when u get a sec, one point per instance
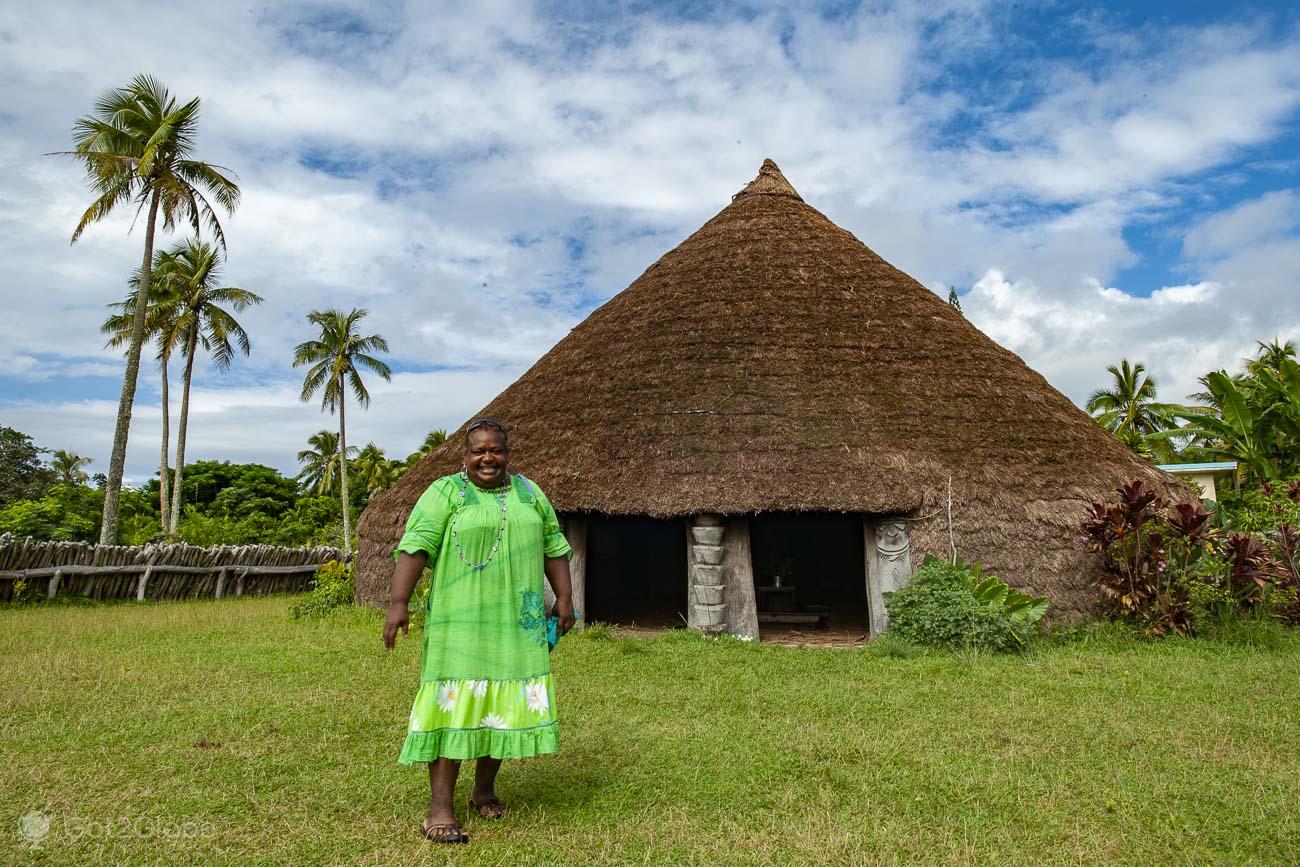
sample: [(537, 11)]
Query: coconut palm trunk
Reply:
[(343, 470), (117, 462), (192, 347), (164, 464)]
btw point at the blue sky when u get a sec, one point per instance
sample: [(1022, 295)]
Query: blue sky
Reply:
[(1097, 180)]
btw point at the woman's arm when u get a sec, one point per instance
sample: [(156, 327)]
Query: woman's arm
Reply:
[(409, 569), (557, 572)]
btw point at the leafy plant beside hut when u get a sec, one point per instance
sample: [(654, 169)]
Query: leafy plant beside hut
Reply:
[(953, 605)]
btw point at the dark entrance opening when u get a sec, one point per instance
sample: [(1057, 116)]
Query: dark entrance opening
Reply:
[(819, 558), (636, 571)]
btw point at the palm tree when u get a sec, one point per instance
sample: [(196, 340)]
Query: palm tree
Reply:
[(161, 322), (373, 470), (1130, 411), (68, 467), (1271, 356), (334, 357), (137, 146), (192, 271), (432, 440), (320, 470)]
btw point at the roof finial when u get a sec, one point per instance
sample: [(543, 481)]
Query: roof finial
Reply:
[(770, 182)]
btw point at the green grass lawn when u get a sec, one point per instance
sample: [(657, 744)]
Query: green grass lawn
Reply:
[(224, 732)]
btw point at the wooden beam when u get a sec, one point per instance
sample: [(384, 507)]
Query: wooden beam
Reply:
[(738, 578), (137, 569), (575, 530)]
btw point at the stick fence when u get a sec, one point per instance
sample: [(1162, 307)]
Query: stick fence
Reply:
[(157, 572)]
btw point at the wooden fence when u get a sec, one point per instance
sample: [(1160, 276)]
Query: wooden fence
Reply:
[(156, 571)]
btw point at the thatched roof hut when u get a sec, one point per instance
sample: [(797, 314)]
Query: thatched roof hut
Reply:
[(772, 365)]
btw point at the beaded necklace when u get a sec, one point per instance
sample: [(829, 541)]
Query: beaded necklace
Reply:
[(501, 498)]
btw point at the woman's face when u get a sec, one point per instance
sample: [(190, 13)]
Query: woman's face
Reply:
[(486, 457)]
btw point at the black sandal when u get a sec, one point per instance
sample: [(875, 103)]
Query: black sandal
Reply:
[(489, 804), (445, 833)]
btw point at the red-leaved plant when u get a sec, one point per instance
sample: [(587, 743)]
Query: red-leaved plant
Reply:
[(1286, 545), (1250, 569), (1131, 536), (1150, 549)]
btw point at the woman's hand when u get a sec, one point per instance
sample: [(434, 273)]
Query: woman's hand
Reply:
[(563, 609), (397, 619)]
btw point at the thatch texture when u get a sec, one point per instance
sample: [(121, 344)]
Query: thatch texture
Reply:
[(772, 362)]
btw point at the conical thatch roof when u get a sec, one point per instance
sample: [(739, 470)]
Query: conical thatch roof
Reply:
[(772, 362)]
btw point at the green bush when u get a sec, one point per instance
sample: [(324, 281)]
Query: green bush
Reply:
[(334, 587), (954, 606), (1261, 509)]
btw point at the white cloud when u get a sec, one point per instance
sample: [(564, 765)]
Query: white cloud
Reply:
[(479, 175)]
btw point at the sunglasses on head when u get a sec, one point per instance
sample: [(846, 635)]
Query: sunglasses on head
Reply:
[(486, 422)]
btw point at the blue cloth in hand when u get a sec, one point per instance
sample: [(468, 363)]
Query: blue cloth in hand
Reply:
[(553, 633)]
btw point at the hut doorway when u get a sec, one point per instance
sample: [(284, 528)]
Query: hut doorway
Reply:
[(819, 557), (636, 571)]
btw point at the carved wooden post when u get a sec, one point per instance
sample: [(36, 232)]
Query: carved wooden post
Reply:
[(575, 530), (720, 583), (221, 583), (52, 589), (889, 565), (706, 608)]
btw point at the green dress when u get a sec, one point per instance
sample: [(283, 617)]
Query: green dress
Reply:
[(485, 681)]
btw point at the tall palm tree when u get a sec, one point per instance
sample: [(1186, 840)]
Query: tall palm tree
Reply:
[(161, 325), (137, 146), (1129, 410), (192, 271), (320, 471), (334, 357), (69, 467)]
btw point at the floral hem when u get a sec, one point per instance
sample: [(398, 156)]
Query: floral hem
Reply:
[(480, 742)]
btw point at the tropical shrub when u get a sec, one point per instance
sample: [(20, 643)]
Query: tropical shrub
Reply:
[(334, 587), (1167, 568), (954, 606), (1136, 583)]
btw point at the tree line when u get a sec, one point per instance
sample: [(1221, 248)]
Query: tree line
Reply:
[(137, 147), (49, 495)]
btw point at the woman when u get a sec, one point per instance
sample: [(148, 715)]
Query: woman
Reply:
[(485, 684)]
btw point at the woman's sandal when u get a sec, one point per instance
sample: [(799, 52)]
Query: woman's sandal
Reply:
[(492, 808), (445, 833)]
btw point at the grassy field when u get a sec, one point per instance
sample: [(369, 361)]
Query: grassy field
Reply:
[(223, 732)]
